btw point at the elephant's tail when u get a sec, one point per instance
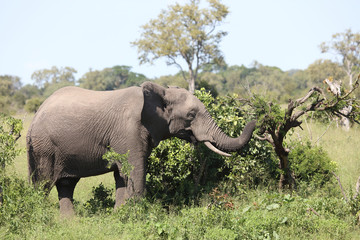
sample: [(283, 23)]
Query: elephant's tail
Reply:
[(36, 175), (33, 177)]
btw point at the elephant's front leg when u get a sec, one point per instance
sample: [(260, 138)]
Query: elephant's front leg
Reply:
[(120, 186), (130, 186)]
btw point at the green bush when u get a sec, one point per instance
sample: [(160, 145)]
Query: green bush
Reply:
[(101, 200), (10, 129), (24, 208), (171, 167), (311, 164)]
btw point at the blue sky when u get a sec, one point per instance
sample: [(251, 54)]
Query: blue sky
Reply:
[(86, 34)]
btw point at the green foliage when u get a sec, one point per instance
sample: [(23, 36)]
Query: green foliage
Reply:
[(170, 170), (9, 86), (254, 163), (23, 209), (101, 200), (46, 77), (10, 129), (113, 157), (269, 115), (111, 78), (33, 104), (311, 164), (258, 215)]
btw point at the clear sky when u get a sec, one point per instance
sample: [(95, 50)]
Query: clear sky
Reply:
[(86, 34)]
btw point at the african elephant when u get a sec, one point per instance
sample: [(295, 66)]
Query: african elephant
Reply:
[(74, 127)]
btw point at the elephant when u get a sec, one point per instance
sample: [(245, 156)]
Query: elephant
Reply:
[(75, 127)]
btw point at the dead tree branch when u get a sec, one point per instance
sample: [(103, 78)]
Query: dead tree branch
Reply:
[(341, 187), (357, 189)]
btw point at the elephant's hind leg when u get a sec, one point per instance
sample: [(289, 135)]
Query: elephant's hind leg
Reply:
[(65, 188)]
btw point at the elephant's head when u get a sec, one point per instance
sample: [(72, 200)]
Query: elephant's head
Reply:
[(176, 112)]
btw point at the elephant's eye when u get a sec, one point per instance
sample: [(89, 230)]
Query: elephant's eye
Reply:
[(191, 115)]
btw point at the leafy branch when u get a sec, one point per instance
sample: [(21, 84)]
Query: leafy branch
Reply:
[(113, 157)]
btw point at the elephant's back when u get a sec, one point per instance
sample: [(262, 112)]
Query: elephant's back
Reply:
[(72, 108)]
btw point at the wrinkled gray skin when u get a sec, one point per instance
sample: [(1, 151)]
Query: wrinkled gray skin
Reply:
[(74, 127)]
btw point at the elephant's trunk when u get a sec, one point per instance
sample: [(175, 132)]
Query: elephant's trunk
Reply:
[(216, 140), (228, 144)]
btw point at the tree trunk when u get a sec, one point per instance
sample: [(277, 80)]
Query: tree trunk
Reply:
[(191, 81), (286, 178)]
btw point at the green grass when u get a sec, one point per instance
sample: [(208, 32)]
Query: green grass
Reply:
[(256, 214)]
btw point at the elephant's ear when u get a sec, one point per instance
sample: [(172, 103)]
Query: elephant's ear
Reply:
[(155, 116), (153, 90)]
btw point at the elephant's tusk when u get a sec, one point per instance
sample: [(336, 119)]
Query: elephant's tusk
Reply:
[(215, 150)]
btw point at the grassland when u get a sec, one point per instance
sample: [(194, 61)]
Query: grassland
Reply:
[(257, 214)]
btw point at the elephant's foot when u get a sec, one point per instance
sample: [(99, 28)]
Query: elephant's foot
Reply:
[(66, 208), (120, 197)]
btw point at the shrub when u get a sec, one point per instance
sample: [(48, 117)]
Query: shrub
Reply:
[(10, 129), (101, 200), (311, 164), (24, 208), (170, 170)]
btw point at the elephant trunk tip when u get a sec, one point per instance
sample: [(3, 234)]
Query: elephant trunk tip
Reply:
[(249, 128), (247, 132), (228, 144)]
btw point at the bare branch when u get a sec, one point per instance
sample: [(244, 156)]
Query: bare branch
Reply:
[(302, 100), (357, 189), (341, 188), (178, 65), (267, 138), (313, 211), (323, 133)]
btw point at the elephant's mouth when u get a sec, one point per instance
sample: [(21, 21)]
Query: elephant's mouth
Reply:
[(188, 135)]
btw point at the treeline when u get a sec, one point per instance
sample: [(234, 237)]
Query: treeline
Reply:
[(276, 84)]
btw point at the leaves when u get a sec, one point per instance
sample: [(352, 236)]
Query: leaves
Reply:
[(113, 157), (10, 129)]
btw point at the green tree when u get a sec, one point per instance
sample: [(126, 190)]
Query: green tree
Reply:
[(43, 78), (322, 69), (184, 35), (347, 45), (9, 85), (111, 78), (33, 104)]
